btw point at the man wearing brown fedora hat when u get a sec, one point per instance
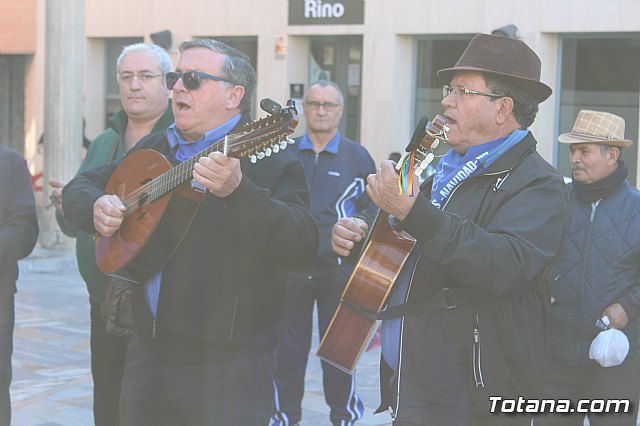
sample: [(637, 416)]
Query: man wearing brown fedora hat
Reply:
[(464, 321), (596, 277)]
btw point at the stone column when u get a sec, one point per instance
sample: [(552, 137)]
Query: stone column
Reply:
[(64, 65)]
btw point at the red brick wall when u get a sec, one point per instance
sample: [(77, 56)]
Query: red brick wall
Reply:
[(18, 26)]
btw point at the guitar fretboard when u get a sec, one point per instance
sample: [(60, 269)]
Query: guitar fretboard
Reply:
[(251, 138)]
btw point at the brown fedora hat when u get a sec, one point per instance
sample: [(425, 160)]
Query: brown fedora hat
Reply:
[(598, 127), (501, 56)]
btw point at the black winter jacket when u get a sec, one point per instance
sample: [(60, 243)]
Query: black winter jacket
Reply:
[(599, 265), (222, 295), (18, 219), (497, 233)]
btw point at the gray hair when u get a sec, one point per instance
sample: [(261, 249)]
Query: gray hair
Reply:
[(164, 61), (525, 106), (326, 83), (236, 66)]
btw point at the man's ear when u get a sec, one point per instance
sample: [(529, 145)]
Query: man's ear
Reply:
[(505, 109), (613, 155), (234, 97)]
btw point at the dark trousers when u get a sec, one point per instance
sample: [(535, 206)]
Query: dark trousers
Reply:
[(238, 392), (593, 382), (7, 319), (107, 367), (293, 352)]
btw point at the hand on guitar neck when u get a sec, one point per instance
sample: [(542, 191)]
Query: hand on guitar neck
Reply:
[(382, 188), (220, 174)]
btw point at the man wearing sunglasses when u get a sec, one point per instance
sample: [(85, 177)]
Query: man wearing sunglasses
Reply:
[(207, 324), (465, 319), (146, 109)]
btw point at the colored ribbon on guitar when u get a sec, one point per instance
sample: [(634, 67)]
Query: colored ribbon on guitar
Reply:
[(405, 178)]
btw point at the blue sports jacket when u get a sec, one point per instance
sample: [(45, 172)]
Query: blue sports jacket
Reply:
[(337, 178)]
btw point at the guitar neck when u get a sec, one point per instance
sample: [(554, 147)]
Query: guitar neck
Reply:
[(234, 145)]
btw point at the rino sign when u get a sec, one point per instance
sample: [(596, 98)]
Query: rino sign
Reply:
[(326, 12)]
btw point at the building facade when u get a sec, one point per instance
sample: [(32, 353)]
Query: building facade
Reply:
[(383, 53)]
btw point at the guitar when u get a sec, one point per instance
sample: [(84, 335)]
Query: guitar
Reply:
[(161, 198), (385, 253)]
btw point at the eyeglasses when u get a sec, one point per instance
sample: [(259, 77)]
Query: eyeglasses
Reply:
[(190, 79), (145, 77), (328, 106), (459, 92)]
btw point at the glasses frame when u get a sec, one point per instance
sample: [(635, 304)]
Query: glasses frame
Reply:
[(147, 75), (328, 106), (192, 76), (448, 89)]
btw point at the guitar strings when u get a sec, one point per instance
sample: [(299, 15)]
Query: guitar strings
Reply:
[(167, 181)]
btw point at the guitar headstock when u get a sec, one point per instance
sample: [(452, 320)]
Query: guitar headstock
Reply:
[(266, 136), (426, 137)]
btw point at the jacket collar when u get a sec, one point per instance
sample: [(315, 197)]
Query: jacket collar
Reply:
[(511, 158)]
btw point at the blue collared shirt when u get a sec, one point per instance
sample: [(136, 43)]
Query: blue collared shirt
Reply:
[(184, 150), (331, 147)]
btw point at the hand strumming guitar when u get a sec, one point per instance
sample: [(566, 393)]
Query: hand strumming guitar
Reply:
[(108, 214), (346, 233)]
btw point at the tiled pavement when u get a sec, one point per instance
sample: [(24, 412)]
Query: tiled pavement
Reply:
[(51, 377)]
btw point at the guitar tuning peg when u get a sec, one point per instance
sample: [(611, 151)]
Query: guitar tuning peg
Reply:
[(429, 158), (435, 143), (260, 155), (253, 159), (290, 141), (276, 148), (283, 144), (267, 152)]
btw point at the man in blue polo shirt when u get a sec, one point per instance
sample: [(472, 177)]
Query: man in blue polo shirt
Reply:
[(336, 169)]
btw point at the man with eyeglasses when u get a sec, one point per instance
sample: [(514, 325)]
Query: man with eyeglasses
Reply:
[(146, 109), (465, 319), (208, 322), (336, 169)]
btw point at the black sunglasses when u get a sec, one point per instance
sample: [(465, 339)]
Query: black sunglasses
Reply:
[(190, 79)]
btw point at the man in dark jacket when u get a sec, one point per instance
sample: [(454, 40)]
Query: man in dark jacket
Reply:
[(469, 300), (209, 319), (596, 277), (146, 109), (18, 236)]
